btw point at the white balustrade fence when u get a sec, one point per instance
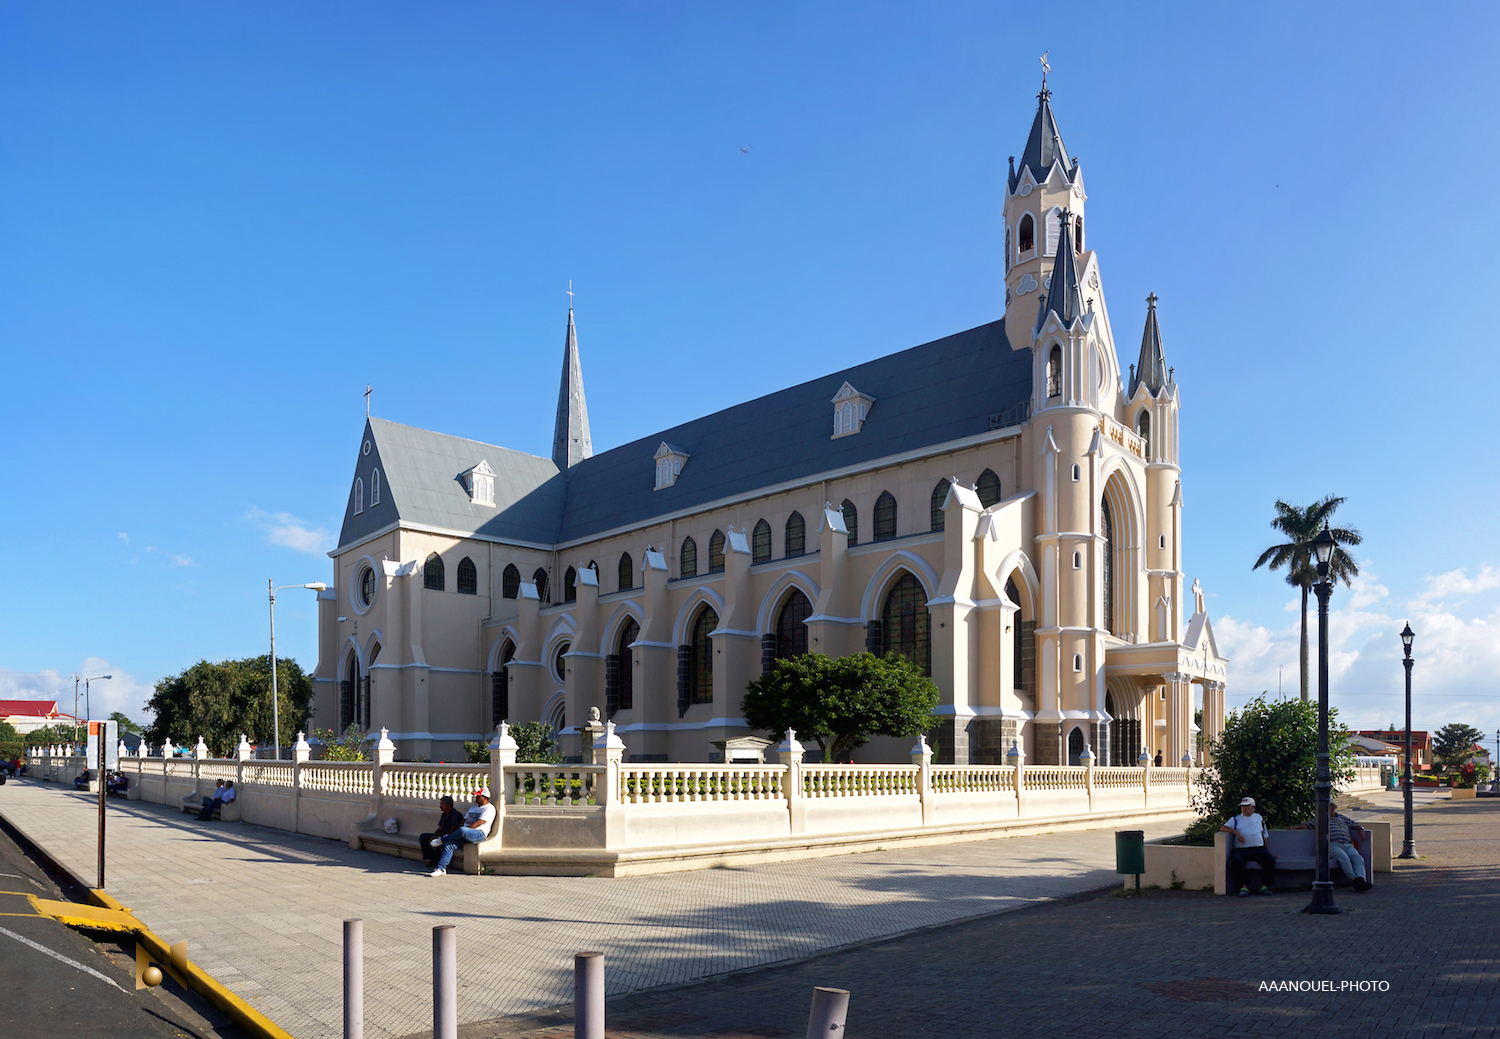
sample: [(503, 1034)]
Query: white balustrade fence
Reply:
[(613, 817)]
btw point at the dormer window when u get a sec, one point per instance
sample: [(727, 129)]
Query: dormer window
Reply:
[(480, 483), (669, 462), (850, 408)]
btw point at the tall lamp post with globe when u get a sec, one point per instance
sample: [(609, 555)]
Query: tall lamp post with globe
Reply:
[(1409, 842), (316, 586), (1322, 894)]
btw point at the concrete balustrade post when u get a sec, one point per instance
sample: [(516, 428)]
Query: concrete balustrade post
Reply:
[(789, 752), (1016, 759), (609, 751), (385, 753), (921, 756), (302, 750), (242, 749), (1086, 759), (502, 784), (1145, 762)]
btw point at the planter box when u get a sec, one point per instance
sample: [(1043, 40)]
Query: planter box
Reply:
[(1461, 793)]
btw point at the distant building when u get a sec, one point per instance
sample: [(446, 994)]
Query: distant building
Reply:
[(1421, 746), (1002, 506), (29, 715)]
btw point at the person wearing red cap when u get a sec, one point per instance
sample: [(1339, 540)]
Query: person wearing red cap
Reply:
[(476, 827)]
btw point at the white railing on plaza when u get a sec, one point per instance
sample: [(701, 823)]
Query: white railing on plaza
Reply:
[(548, 811)]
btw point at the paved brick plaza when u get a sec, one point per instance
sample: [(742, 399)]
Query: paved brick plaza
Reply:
[(1168, 965), (262, 909)]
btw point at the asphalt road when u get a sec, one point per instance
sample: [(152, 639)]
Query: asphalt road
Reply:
[(56, 982)]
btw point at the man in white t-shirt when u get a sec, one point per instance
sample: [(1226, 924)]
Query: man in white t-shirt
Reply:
[(476, 827), (1249, 831)]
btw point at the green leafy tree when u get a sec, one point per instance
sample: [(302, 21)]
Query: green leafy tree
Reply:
[(1454, 743), (1299, 525), (52, 734), (1268, 751), (123, 723), (346, 746), (841, 702), (534, 743), (219, 701)]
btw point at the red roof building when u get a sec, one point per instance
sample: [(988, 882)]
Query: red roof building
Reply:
[(29, 715), (1421, 746)]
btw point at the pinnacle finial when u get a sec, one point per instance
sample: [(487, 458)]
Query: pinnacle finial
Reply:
[(1151, 301), (1046, 68)]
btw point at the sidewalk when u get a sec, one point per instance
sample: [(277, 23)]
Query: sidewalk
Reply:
[(262, 909), (1168, 965)]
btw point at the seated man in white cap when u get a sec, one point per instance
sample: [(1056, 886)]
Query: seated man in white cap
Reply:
[(476, 827), (1249, 831)]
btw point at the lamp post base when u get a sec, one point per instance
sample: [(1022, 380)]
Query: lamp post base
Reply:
[(1408, 850), (1322, 899)]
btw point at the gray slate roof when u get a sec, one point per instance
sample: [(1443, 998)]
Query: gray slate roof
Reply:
[(1043, 146), (927, 395), (1152, 369), (1063, 296)]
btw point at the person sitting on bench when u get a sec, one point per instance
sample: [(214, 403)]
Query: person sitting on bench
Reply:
[(1250, 832), (115, 785), (448, 822), (223, 795), (1341, 850), (83, 780), (475, 828)]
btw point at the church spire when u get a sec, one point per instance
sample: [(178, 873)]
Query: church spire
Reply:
[(1151, 372), (571, 442), (1063, 297), (1044, 146)]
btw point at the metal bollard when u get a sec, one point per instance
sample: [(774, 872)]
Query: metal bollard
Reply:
[(444, 983), (830, 1006), (354, 979), (588, 995)]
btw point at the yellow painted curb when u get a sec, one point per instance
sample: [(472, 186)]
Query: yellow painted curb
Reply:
[(109, 915)]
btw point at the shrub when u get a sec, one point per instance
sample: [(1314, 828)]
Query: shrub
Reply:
[(346, 747), (1268, 751)]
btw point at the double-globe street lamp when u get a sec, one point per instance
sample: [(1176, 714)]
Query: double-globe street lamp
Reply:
[(1322, 894), (316, 586), (1408, 843)]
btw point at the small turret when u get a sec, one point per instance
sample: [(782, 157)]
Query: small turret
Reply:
[(1151, 370), (571, 442)]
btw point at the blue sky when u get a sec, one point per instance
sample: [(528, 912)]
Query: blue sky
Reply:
[(221, 221)]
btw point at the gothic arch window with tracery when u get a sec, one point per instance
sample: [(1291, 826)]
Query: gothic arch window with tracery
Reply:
[(988, 488), (851, 522), (625, 682), (791, 625), (1054, 372), (796, 535), (885, 516), (760, 543), (939, 497), (702, 648), (432, 573), (905, 624), (1107, 537), (510, 582), (716, 553), (570, 585), (1143, 430), (468, 577), (687, 558), (539, 581), (626, 572), (500, 685)]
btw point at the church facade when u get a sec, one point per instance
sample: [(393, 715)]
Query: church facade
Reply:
[(1003, 506)]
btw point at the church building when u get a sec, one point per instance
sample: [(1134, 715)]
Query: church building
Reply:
[(1003, 506)]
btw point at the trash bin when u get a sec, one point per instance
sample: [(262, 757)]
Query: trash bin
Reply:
[(1130, 851)]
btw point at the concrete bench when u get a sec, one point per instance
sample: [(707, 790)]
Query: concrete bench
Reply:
[(401, 845), (1295, 855), (229, 813)]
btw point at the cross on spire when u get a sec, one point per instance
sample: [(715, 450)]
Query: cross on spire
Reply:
[(368, 391), (1046, 68), (570, 293)]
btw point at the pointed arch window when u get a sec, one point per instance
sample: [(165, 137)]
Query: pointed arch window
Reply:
[(1017, 675), (1107, 536), (939, 497), (1075, 746), (1143, 430), (627, 572), (1026, 235), (570, 585), (539, 579), (625, 668), (432, 573), (468, 577), (791, 625), (1054, 229), (1054, 372), (885, 516), (359, 495), (851, 521), (796, 535), (760, 543), (716, 553), (1078, 235), (988, 488), (1007, 250), (687, 558), (510, 581), (702, 650), (500, 685), (374, 486), (905, 625)]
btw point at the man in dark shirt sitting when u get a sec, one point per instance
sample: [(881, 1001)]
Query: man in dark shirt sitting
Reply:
[(448, 822)]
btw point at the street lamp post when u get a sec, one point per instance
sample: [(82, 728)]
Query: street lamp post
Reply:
[(1322, 894), (88, 710), (316, 586), (1409, 842)]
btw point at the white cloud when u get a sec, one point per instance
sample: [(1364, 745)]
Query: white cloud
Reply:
[(282, 528), (123, 692), (125, 537), (1456, 659)]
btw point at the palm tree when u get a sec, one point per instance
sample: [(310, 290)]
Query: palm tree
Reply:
[(1299, 525)]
